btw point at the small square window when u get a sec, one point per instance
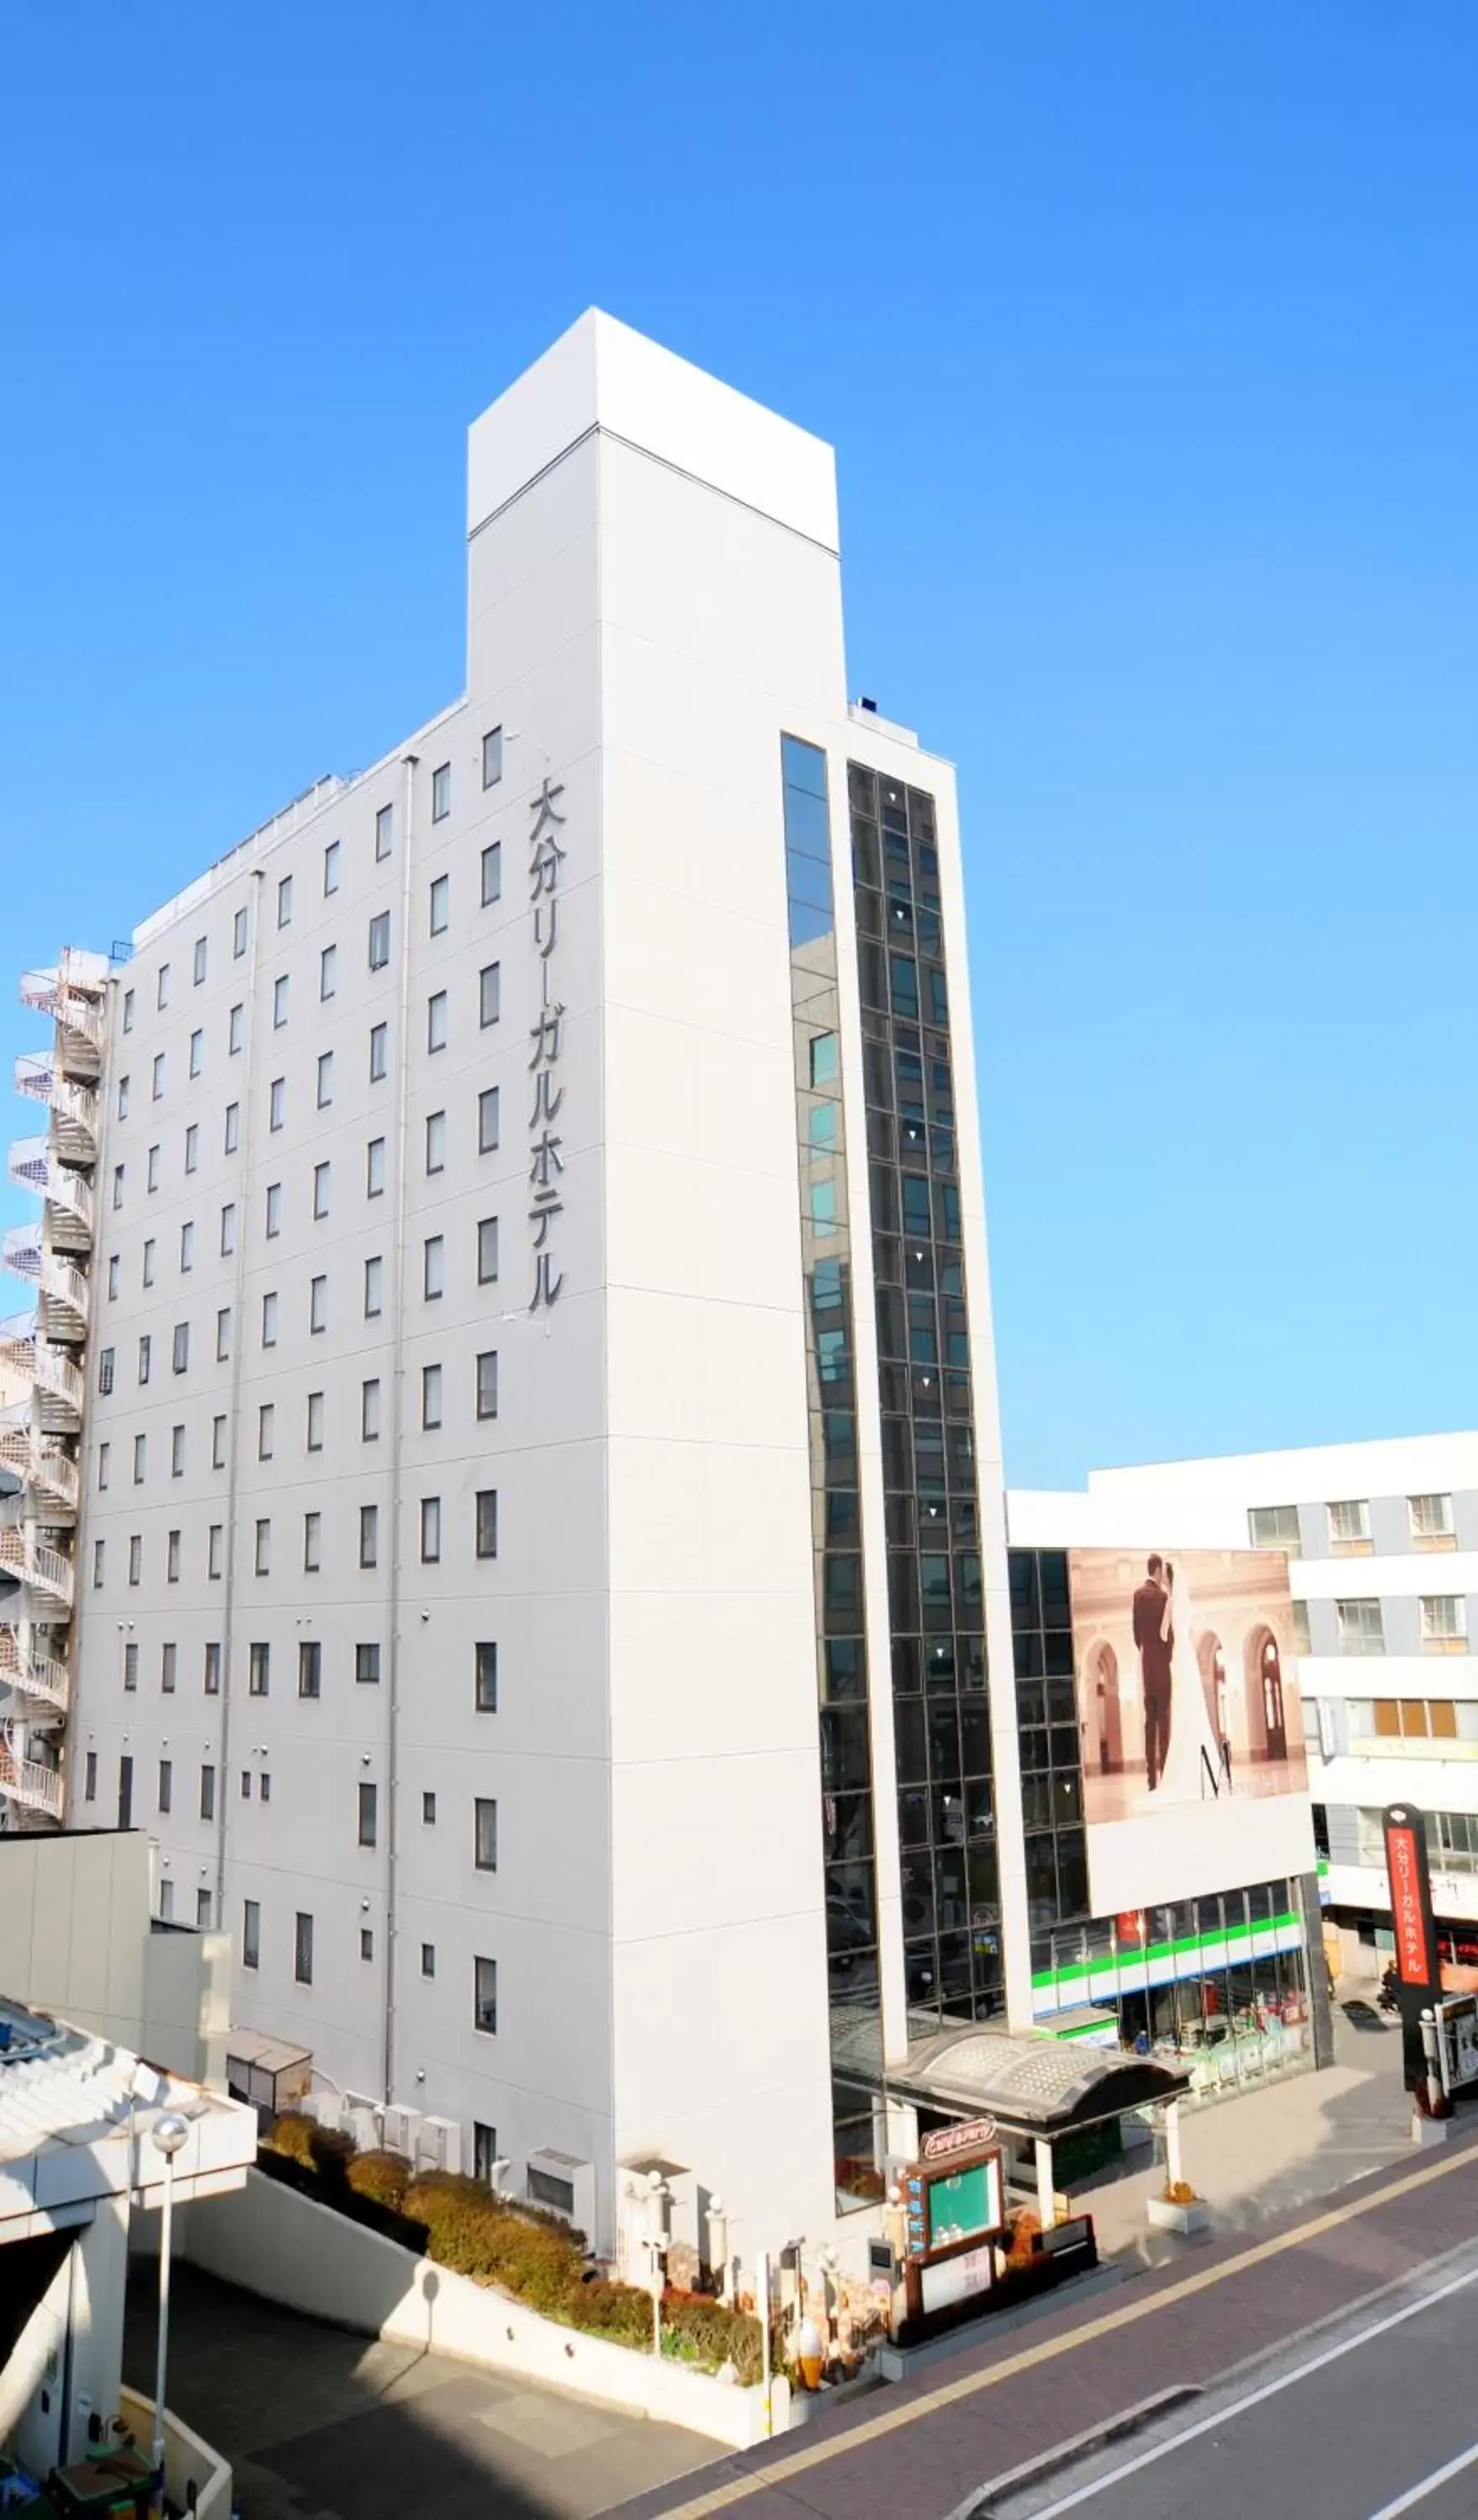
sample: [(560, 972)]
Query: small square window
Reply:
[(146, 1357), (492, 873), (259, 1670), (313, 1526), (191, 1147), (228, 1229), (269, 1319), (435, 1020), (441, 900), (441, 791), (263, 1559), (331, 868), (384, 832), (277, 1103), (161, 998), (487, 1251), (171, 1557), (104, 1369), (200, 960), (315, 1437), (492, 756), (128, 1010), (428, 1960), (197, 1051), (328, 972), (215, 1551), (487, 1522), (369, 1410), (431, 1530), (233, 1127), (379, 940), (487, 1384), (379, 1052), (150, 1249), (280, 1001), (303, 1950), (118, 1184), (140, 1443), (485, 1836), (429, 1810), (373, 1288), (238, 935), (489, 994), (213, 1671), (223, 1335), (176, 1451), (152, 1169), (159, 1075), (366, 1943), (105, 1455), (274, 1210), (366, 1664), (486, 1699), (135, 1559), (318, 1305), (124, 1089), (374, 1168), (487, 1120), (187, 1248), (266, 1424), (321, 1175), (208, 1795), (435, 1142), (217, 1443), (99, 1550), (169, 1656), (285, 901), (430, 1396), (434, 1266), (236, 1030), (369, 1534)]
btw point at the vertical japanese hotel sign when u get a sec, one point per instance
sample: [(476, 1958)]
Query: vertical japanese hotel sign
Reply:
[(546, 1164), (1419, 1964)]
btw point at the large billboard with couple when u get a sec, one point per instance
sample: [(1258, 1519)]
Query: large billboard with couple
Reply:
[(1194, 1775)]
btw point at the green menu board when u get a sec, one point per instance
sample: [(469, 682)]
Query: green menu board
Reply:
[(969, 2201)]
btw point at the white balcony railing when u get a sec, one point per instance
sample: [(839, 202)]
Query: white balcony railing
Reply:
[(71, 994), (73, 1108), (64, 1298), (38, 1566), (25, 1356), (24, 1780), (32, 1165), (44, 1468), (32, 1672)]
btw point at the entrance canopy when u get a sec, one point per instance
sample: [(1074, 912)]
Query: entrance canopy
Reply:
[(1030, 2084)]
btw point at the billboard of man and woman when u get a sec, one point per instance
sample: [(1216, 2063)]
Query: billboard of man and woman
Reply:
[(1189, 1718)]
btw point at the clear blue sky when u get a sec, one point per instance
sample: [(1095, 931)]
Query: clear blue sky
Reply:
[(1146, 335)]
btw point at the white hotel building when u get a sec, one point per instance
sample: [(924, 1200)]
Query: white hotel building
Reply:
[(508, 1475)]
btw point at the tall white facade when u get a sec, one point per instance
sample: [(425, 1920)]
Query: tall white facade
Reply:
[(449, 1565)]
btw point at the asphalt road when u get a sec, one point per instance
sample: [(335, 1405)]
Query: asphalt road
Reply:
[(1362, 2417)]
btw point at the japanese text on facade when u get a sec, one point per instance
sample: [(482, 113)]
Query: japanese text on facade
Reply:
[(546, 1165)]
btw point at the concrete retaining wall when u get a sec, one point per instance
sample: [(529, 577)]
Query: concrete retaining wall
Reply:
[(187, 2461), (273, 2241)]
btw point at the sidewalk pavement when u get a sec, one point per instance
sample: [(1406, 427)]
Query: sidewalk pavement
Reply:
[(1272, 2149)]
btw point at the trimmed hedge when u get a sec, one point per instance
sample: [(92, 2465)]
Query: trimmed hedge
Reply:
[(529, 2253)]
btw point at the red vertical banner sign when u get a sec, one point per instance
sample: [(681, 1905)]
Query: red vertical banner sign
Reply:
[(1419, 1965)]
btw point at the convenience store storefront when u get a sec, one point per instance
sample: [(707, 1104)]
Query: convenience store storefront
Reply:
[(1216, 1987)]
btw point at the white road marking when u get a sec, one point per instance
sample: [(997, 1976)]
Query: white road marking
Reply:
[(1416, 2493), (1269, 2389)]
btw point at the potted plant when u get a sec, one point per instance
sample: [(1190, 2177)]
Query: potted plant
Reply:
[(1178, 2208)]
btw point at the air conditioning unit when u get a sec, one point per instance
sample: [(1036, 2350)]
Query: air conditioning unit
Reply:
[(326, 2108), (402, 2128), (439, 2143), (364, 2126)]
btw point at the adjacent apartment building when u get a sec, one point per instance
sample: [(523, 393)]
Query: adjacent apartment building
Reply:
[(506, 1481), (1382, 1546)]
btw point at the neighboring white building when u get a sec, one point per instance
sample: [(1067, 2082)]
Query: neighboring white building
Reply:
[(77, 2113), (1382, 1542), (516, 1229)]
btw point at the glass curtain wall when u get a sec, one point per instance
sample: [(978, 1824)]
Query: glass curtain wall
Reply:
[(946, 1806), (856, 2026)]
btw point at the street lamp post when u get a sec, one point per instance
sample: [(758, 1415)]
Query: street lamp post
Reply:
[(170, 2136)]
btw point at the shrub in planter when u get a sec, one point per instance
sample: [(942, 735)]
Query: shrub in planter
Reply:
[(617, 2311), (716, 2334), (291, 2135), (1026, 2229), (381, 2178)]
